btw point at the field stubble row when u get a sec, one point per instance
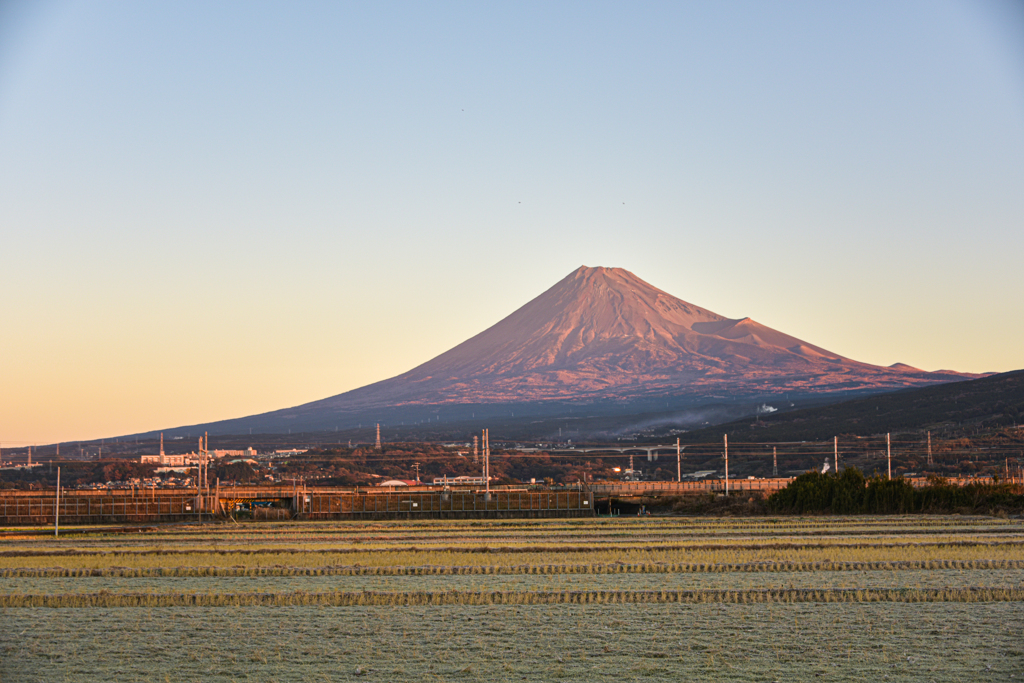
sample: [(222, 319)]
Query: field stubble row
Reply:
[(495, 597), (717, 555), (582, 545), (545, 582), (529, 569)]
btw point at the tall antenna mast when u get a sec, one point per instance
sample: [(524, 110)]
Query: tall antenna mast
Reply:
[(475, 459), (888, 450), (679, 461), (486, 439), (726, 439), (378, 437), (836, 462), (161, 447), (775, 462), (930, 462)]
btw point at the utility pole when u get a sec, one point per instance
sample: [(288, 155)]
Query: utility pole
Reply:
[(416, 466), (679, 462), (888, 451), (726, 439), (56, 507), (199, 485), (199, 478), (775, 462)]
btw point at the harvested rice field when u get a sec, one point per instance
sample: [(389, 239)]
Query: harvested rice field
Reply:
[(627, 599)]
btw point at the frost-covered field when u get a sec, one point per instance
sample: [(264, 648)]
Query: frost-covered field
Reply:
[(804, 642), (629, 599)]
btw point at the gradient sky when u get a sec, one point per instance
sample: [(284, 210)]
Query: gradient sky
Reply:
[(214, 209)]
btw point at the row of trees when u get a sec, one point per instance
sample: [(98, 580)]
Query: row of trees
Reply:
[(851, 493)]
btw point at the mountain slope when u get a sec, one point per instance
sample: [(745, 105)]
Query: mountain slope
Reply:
[(605, 334)]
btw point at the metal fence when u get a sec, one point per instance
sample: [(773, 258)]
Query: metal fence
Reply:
[(446, 504), (75, 507), (41, 508)]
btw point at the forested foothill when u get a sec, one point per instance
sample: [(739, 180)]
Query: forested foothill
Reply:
[(957, 410)]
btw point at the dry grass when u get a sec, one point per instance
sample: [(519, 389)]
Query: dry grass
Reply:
[(420, 598), (477, 570), (736, 554)]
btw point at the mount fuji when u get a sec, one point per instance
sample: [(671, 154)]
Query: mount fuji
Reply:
[(600, 336)]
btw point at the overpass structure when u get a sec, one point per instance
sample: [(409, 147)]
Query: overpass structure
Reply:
[(620, 489), (649, 451)]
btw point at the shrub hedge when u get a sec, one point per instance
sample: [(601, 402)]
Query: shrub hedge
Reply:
[(852, 493)]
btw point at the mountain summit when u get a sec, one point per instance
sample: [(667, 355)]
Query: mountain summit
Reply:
[(605, 334)]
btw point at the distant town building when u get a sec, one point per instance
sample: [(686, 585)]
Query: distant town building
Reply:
[(164, 460), (459, 481), (247, 453), (187, 459)]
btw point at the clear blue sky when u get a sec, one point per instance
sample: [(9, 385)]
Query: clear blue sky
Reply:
[(212, 209)]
